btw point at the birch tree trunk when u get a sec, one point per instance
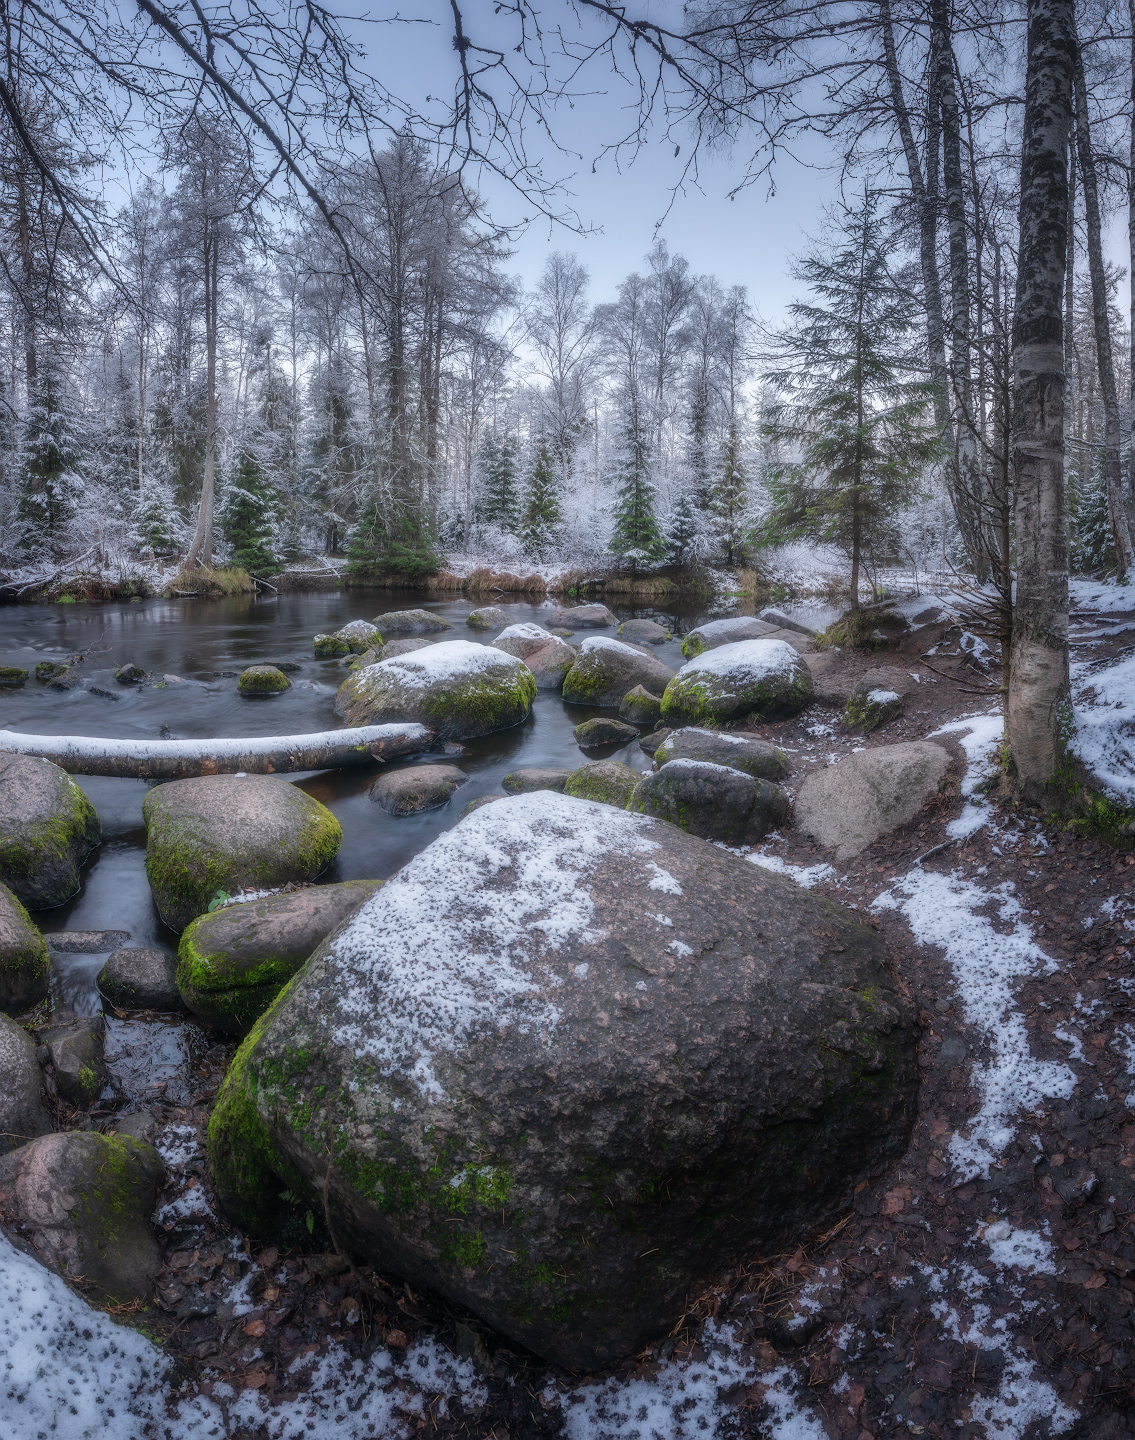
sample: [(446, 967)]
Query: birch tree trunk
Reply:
[(1038, 680), (1131, 271), (202, 546), (1109, 394)]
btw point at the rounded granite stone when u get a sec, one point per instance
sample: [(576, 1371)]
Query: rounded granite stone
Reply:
[(47, 829)]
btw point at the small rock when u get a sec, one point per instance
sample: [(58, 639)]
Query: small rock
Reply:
[(772, 616), (712, 801), (140, 1125), (560, 632), (848, 806), (75, 1049), (82, 1203), (103, 694), (358, 662), (359, 635), (86, 942), (12, 675), (329, 647), (130, 674), (603, 731), (649, 743), (262, 680), (608, 781), (522, 782), (47, 829), (606, 669), (715, 633), (410, 622), (24, 962), (739, 752), (23, 1104), (416, 788), (489, 617), (476, 804), (878, 696), (50, 669), (640, 707), (644, 632), (142, 979), (583, 617)]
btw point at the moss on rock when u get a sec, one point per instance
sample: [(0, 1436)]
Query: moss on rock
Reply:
[(25, 964), (47, 828), (766, 678), (608, 781), (262, 680)]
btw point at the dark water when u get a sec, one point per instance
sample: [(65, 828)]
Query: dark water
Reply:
[(191, 641)]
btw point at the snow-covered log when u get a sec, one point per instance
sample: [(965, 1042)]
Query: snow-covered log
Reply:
[(184, 759)]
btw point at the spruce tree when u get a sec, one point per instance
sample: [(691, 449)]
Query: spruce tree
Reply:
[(248, 521), (51, 484), (729, 498), (636, 540), (856, 413), (391, 541), (681, 531), (541, 519), (155, 522), (1093, 539), (499, 500)]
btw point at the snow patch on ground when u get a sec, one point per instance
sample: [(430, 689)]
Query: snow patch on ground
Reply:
[(1026, 1250), (1103, 702), (807, 876), (980, 746), (1103, 597)]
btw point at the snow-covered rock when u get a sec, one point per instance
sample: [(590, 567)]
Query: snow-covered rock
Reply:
[(766, 678), (726, 632), (606, 669)]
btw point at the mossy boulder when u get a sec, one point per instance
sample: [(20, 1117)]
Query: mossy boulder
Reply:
[(545, 654), (140, 979), (459, 689), (877, 697), (130, 674), (406, 646), (765, 678), (522, 782), (740, 752), (606, 669), (715, 633), (47, 829), (12, 675), (488, 617), (640, 707), (25, 965), (603, 730), (360, 635), (262, 680), (609, 782), (82, 1202), (330, 647), (50, 669), (643, 632), (567, 1065), (222, 834), (650, 744), (411, 622), (415, 788), (23, 1103), (713, 801), (232, 963), (75, 1047)]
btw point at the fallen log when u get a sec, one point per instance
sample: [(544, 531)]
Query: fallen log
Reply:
[(185, 759)]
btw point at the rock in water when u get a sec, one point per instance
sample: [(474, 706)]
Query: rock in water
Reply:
[(25, 964), (522, 782), (739, 752), (869, 793), (233, 963), (766, 678), (47, 829), (568, 1063), (643, 632), (489, 617), (410, 622), (459, 689), (75, 1046), (582, 617), (640, 707), (262, 680), (82, 1203), (606, 669), (715, 633), (786, 622), (141, 979), (329, 647), (650, 744), (23, 1104), (360, 635), (130, 674), (713, 801), (416, 788), (523, 640), (609, 782), (221, 834), (547, 657), (603, 730), (400, 647)]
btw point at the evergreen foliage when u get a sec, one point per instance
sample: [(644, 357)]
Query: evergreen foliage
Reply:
[(499, 502), (389, 542), (50, 483), (542, 517), (636, 539), (248, 519), (729, 499), (1093, 539), (681, 532)]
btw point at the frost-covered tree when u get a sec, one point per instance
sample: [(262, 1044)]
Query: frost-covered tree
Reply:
[(636, 540), (542, 518), (499, 499), (249, 516)]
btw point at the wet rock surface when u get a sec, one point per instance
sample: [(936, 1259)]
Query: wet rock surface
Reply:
[(582, 617), (712, 801), (75, 1048), (488, 617), (417, 788), (520, 782), (603, 731), (141, 979), (643, 632), (24, 1111), (47, 829), (24, 961), (410, 622), (606, 669), (739, 752)]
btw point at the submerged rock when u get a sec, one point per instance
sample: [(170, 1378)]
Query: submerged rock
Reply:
[(643, 632), (603, 731), (47, 829), (262, 680), (582, 617), (609, 782), (489, 617), (140, 979), (23, 1103), (81, 1203), (13, 675), (130, 674), (640, 707), (570, 1063), (848, 806), (459, 689), (715, 633), (766, 678), (739, 752), (410, 622), (417, 787), (221, 834), (713, 801), (233, 963), (75, 1047), (25, 965), (606, 669), (522, 782)]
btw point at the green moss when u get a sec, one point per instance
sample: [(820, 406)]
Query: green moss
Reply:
[(330, 647), (49, 669), (692, 646), (706, 699), (262, 680), (610, 782), (489, 703), (64, 837), (65, 600), (12, 675), (864, 714)]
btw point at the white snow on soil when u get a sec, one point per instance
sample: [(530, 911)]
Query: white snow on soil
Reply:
[(448, 663), (805, 875), (1100, 596), (1103, 702), (746, 662), (980, 747), (1026, 1250), (452, 948)]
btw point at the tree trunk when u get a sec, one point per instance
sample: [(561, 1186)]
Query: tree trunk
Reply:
[(1038, 681), (1131, 274), (202, 547), (1117, 510)]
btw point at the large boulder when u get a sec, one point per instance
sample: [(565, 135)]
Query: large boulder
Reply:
[(360, 635), (603, 730), (526, 638), (81, 1204), (140, 979), (740, 752), (47, 829), (75, 1048), (582, 617), (233, 963), (713, 801), (25, 965), (459, 689), (715, 633), (406, 646), (640, 707), (488, 617), (606, 669), (262, 680), (609, 782), (643, 632), (416, 788), (23, 1104), (848, 806), (547, 656), (765, 678), (833, 678), (221, 834), (785, 621), (410, 622), (568, 1064)]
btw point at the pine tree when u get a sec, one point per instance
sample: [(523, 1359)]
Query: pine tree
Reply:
[(1093, 539), (681, 531), (385, 544), (155, 522), (51, 484), (542, 519), (499, 501), (858, 421), (248, 521), (636, 539), (728, 499)]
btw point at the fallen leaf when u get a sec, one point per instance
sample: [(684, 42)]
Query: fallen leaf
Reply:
[(256, 1381), (1096, 1282), (255, 1328), (398, 1338)]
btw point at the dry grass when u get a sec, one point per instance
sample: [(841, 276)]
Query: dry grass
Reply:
[(485, 581), (205, 581), (649, 587)]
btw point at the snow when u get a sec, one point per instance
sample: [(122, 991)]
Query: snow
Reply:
[(527, 630), (804, 875), (1103, 597), (746, 662), (1103, 702), (447, 663), (713, 735), (1025, 1250), (980, 745), (663, 880), (357, 630), (882, 697), (453, 951), (735, 625), (91, 747), (684, 762), (597, 643)]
